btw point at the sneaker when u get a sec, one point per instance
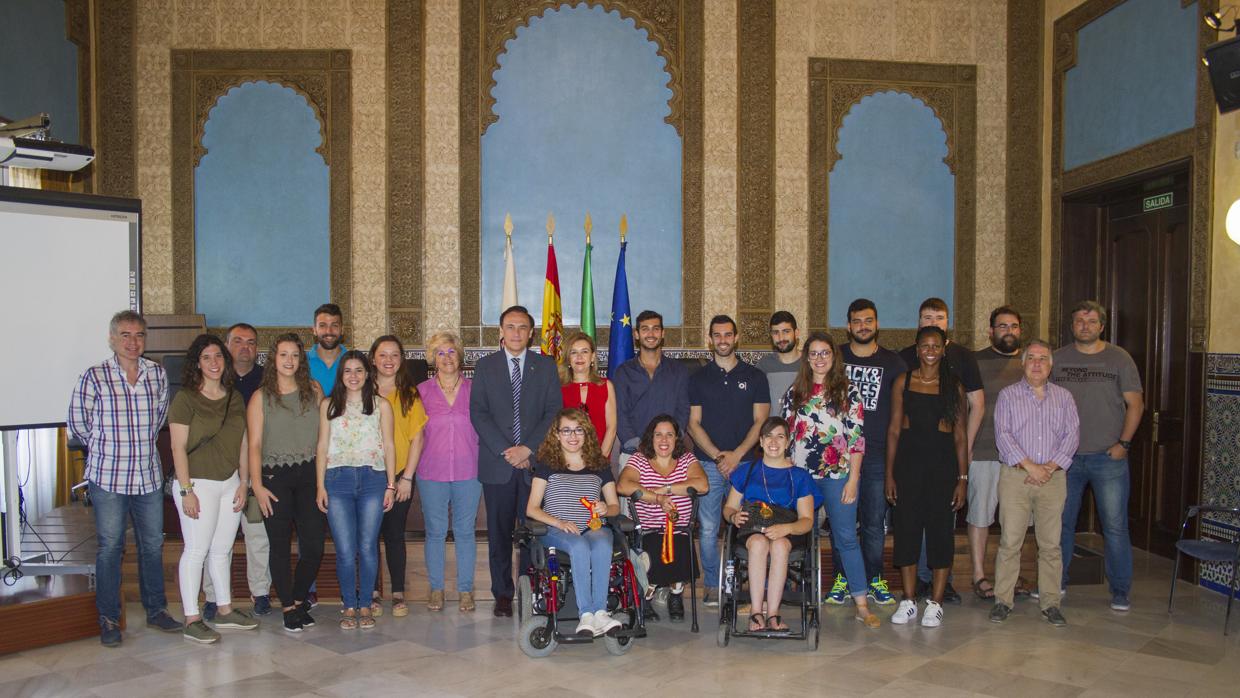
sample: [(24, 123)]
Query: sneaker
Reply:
[(1119, 602), (933, 617), (1000, 613), (586, 625), (303, 609), (292, 621), (199, 631), (676, 607), (710, 597), (312, 598), (1054, 617), (906, 612), (209, 609), (838, 595), (236, 619), (950, 595), (262, 605), (604, 623), (162, 621), (109, 632), (880, 593)]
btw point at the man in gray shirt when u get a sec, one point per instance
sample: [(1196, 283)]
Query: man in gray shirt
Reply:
[(781, 365), (1104, 382)]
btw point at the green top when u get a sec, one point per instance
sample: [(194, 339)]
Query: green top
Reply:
[(217, 458), (290, 433)]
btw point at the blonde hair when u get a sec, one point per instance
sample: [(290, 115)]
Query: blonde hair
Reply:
[(441, 338), (566, 370)]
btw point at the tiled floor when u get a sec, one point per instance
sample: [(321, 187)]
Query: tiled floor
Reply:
[(1143, 652)]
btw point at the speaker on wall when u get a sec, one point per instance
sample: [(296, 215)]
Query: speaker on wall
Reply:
[(1223, 61)]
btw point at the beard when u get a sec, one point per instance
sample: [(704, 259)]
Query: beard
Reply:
[(854, 338), (658, 345), (1006, 344), (725, 351), (330, 341), (785, 347)]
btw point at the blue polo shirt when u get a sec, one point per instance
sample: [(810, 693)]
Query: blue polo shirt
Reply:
[(727, 399), (322, 373)]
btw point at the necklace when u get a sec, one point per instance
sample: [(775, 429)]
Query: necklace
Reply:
[(445, 388), (925, 380)]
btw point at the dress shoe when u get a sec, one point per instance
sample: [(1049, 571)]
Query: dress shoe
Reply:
[(503, 607)]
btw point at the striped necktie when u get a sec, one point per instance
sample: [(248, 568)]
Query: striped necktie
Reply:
[(516, 400)]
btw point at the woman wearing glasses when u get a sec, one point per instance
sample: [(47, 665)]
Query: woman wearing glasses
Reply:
[(447, 470)]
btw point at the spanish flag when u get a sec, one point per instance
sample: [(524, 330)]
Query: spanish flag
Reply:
[(552, 317)]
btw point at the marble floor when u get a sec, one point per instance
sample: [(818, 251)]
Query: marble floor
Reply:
[(1101, 652)]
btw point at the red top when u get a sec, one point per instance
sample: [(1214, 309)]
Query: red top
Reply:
[(595, 404)]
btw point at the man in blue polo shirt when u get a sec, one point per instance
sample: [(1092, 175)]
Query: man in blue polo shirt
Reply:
[(728, 401), (328, 332)]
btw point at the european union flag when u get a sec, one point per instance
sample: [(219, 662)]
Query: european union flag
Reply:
[(620, 346)]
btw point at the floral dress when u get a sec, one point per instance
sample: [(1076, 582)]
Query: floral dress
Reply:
[(822, 436)]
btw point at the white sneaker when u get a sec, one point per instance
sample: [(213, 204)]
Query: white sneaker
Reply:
[(603, 622), (906, 612), (933, 617), (586, 624)]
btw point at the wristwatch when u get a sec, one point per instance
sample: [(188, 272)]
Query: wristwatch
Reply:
[(1126, 444), (186, 489)]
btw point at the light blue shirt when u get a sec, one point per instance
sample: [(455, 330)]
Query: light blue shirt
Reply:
[(520, 360), (322, 373)]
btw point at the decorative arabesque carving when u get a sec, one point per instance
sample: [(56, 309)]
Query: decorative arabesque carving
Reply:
[(209, 88)]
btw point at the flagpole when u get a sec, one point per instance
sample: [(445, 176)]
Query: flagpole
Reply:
[(587, 286)]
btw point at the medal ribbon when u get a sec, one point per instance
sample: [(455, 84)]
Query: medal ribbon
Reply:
[(595, 523), (669, 554)]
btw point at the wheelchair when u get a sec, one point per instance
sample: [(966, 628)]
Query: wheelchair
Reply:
[(545, 600), (690, 527), (803, 588)]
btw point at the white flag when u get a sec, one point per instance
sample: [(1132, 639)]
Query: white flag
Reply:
[(510, 276)]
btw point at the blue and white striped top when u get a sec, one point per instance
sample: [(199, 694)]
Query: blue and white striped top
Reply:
[(566, 488)]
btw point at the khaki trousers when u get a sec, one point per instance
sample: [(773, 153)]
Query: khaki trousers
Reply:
[(1017, 501)]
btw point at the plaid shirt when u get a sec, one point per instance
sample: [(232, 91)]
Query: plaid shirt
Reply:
[(119, 424)]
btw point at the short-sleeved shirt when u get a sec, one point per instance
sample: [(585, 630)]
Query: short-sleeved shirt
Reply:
[(1097, 383), (998, 372), (651, 515), (216, 459), (873, 377), (779, 375), (758, 482), (565, 488), (250, 382), (405, 426), (727, 399), (959, 358), (323, 374)]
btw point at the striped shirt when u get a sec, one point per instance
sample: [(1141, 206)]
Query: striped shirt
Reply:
[(119, 424), (649, 514), (1044, 430), (565, 489)]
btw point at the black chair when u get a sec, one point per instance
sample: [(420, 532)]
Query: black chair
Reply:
[(1208, 551)]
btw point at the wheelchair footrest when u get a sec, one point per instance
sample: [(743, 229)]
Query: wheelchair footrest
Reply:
[(574, 639)]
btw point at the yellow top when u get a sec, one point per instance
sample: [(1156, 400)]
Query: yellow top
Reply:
[(405, 426)]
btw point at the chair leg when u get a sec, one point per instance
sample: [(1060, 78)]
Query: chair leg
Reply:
[(1175, 574)]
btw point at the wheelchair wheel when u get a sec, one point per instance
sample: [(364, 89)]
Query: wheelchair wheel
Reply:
[(724, 634), (525, 598), (617, 645), (811, 638), (534, 637)]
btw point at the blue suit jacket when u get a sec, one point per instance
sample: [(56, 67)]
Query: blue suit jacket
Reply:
[(490, 410)]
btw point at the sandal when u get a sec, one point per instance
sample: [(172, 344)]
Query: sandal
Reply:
[(435, 603), (758, 620), (366, 622), (870, 621), (984, 594), (376, 606), (1022, 588), (349, 620), (774, 624), (399, 608)]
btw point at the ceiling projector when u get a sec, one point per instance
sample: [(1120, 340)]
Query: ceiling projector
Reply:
[(24, 144)]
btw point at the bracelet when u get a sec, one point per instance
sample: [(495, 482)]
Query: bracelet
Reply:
[(407, 479), (963, 477), (391, 487)]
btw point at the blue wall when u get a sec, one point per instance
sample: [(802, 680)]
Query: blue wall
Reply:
[(581, 97), (1134, 80), (892, 218), (261, 232), (38, 65)]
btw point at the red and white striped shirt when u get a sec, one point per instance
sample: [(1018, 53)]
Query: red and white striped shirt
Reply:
[(119, 424), (649, 514)]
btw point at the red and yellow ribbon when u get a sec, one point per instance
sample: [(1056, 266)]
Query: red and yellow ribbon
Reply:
[(595, 522), (669, 552)]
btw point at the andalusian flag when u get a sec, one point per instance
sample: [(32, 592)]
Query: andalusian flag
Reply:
[(552, 318), (587, 289)]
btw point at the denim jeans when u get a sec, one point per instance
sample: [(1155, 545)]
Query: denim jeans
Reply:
[(147, 512), (843, 518), (355, 512), (463, 496), (872, 515), (1111, 482), (710, 514), (591, 564)]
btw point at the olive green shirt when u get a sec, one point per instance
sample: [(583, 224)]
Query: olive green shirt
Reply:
[(217, 458)]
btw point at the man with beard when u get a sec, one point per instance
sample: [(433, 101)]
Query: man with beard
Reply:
[(648, 386), (1000, 366), (328, 332), (781, 365), (728, 401), (871, 369)]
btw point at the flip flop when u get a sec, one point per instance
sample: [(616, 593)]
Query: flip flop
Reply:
[(756, 619), (984, 594), (773, 624)]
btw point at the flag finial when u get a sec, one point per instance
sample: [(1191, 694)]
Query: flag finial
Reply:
[(550, 227), (589, 226), (508, 225), (624, 227)]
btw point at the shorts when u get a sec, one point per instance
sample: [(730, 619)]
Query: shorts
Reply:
[(983, 492)]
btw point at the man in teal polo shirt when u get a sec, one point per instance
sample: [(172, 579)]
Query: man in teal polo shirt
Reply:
[(328, 331)]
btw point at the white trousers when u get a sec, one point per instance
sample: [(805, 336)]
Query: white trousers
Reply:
[(208, 539), (257, 561)]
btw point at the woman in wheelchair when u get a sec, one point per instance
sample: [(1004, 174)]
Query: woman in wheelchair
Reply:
[(773, 489), (661, 474), (572, 488)]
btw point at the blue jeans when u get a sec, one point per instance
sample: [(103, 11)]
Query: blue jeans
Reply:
[(355, 512), (872, 515), (1111, 482), (843, 518), (147, 512), (591, 564), (710, 514), (463, 495)]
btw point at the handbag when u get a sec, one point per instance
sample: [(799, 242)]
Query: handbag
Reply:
[(253, 512), (763, 514), (170, 480)]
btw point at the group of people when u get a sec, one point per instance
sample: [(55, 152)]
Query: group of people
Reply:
[(334, 439)]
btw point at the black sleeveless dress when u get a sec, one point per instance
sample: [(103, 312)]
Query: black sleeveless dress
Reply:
[(926, 474)]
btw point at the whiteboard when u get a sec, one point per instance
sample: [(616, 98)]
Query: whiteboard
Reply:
[(68, 262)]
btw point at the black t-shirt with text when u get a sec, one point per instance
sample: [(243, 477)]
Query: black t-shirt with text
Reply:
[(873, 376)]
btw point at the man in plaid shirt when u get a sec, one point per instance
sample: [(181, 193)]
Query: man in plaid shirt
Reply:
[(117, 410)]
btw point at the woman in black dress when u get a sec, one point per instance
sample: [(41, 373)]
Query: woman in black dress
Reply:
[(926, 472)]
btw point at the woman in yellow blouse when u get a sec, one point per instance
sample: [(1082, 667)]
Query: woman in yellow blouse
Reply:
[(396, 385)]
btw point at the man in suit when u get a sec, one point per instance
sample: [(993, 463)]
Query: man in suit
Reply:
[(515, 397)]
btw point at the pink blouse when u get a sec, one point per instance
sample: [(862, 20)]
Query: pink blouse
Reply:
[(450, 445)]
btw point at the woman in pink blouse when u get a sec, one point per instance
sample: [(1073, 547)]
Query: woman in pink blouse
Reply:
[(447, 470), (825, 415)]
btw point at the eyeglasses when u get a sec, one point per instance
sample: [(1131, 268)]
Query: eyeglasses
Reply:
[(446, 352), (574, 431), (824, 354)]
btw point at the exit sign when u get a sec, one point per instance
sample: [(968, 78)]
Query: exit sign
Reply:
[(1153, 203)]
